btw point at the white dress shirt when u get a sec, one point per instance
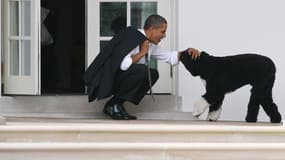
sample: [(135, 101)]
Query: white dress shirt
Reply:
[(154, 51)]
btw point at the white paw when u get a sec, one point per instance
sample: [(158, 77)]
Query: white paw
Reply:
[(214, 115), (200, 107), (204, 82)]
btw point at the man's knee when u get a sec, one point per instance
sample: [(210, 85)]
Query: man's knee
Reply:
[(140, 67), (140, 70)]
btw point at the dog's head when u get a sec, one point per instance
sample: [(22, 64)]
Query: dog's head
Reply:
[(195, 67)]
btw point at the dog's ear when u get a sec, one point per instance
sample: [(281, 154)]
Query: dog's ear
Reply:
[(188, 62)]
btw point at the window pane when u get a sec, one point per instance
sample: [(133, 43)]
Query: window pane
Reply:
[(140, 11), (26, 58), (26, 18), (153, 63), (14, 58), (14, 18), (112, 17)]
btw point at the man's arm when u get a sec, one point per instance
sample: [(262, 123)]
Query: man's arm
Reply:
[(143, 51), (134, 56)]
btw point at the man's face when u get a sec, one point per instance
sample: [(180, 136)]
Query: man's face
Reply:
[(156, 34)]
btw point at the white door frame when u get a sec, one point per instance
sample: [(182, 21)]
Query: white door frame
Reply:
[(23, 84), (92, 43), (1, 49)]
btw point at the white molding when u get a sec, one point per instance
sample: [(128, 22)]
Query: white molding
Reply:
[(175, 84), (92, 34), (148, 127), (0, 49), (31, 146)]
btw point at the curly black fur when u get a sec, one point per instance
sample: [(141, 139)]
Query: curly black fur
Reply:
[(226, 74)]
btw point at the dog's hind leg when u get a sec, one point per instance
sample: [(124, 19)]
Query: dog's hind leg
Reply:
[(267, 103), (253, 106), (260, 94), (271, 110)]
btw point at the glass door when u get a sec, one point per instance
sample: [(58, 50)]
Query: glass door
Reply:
[(21, 47), (106, 17)]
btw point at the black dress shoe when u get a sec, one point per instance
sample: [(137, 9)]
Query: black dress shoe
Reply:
[(117, 112)]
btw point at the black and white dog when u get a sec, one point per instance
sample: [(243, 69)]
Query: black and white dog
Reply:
[(226, 74)]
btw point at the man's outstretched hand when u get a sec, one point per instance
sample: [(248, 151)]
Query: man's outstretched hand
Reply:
[(194, 53)]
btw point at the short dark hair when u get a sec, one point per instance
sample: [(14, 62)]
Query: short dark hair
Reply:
[(155, 21)]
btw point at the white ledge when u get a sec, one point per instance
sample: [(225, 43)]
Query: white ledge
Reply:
[(141, 146), (141, 128)]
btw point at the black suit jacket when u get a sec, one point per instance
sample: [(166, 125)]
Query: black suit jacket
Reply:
[(100, 74)]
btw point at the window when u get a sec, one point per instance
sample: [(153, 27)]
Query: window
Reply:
[(114, 17)]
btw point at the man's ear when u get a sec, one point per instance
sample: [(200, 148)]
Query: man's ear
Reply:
[(151, 29)]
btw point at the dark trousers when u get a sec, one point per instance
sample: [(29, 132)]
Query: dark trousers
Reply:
[(132, 85)]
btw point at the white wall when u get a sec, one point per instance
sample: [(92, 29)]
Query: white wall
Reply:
[(227, 27)]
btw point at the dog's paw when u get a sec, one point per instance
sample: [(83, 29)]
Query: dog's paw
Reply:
[(200, 107), (214, 115), (276, 119)]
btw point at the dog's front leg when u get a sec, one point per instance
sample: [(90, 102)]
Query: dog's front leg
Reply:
[(214, 115), (200, 107), (215, 111)]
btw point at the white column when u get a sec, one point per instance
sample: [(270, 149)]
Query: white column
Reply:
[(0, 48)]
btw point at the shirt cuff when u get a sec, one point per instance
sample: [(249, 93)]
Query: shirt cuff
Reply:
[(126, 63), (174, 58)]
